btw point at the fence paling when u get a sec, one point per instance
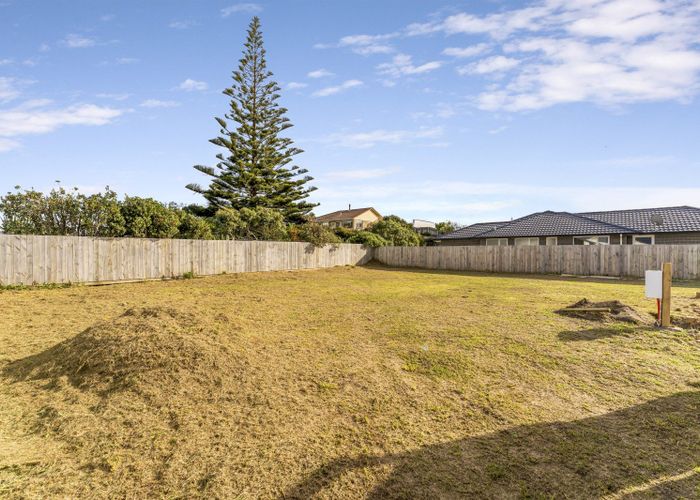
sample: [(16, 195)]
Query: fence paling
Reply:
[(585, 260), (33, 259)]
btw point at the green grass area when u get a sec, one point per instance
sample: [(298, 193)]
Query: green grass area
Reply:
[(346, 382)]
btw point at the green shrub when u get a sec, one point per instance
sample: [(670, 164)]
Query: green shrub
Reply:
[(250, 224), (396, 232), (148, 218), (227, 224), (446, 227), (316, 234), (344, 233), (368, 239), (195, 228), (61, 212)]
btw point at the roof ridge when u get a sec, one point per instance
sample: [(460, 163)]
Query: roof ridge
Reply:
[(580, 216), (507, 224), (637, 209)]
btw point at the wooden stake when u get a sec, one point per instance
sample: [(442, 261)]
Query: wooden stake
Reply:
[(666, 295)]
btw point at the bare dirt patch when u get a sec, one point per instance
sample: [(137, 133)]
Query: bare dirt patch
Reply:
[(606, 312), (685, 312)]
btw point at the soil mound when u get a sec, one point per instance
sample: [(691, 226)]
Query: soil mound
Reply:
[(606, 312), (153, 346)]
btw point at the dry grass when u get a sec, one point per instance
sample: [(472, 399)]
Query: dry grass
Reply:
[(348, 382)]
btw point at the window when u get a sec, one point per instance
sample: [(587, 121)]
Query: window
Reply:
[(552, 241), (358, 224), (643, 239), (591, 240), (497, 242), (527, 242)]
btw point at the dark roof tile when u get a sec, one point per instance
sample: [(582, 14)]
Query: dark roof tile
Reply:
[(639, 221), (474, 229), (653, 220)]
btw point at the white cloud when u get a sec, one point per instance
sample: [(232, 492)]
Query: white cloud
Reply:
[(155, 103), (74, 41), (347, 84), (8, 89), (608, 52), (361, 173), (8, 145), (440, 110), (34, 117), (463, 52), (4, 62), (401, 64), (44, 47), (362, 140), (190, 85), (297, 85), (363, 44), (319, 73), (181, 25), (250, 8), (116, 97), (107, 18), (368, 44), (495, 64)]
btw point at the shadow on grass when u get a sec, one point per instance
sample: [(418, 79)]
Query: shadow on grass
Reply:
[(601, 333), (652, 448)]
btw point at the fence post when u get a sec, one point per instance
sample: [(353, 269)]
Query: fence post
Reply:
[(667, 274)]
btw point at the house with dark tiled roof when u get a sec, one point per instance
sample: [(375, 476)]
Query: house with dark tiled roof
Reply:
[(646, 226)]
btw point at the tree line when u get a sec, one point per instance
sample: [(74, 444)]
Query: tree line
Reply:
[(67, 212)]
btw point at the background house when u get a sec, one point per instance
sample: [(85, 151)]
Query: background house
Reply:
[(352, 218), (425, 227), (647, 226)]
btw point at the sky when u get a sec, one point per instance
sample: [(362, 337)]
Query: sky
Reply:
[(463, 111)]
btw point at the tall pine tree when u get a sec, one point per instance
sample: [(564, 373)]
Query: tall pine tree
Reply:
[(256, 169)]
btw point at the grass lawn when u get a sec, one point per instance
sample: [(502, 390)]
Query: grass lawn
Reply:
[(347, 382)]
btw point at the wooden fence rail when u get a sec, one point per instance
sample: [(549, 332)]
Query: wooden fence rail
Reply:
[(29, 259), (584, 260)]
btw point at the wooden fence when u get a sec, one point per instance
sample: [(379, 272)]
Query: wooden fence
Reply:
[(29, 259), (584, 260), (32, 259)]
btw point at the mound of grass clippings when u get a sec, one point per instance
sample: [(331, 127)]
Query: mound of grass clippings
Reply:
[(152, 349), (139, 393)]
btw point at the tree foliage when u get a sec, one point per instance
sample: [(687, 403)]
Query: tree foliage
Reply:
[(192, 227), (61, 212), (148, 218), (396, 231), (368, 239), (255, 168), (316, 234), (446, 227), (249, 224)]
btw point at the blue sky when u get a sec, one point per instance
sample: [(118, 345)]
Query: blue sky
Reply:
[(467, 111)]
